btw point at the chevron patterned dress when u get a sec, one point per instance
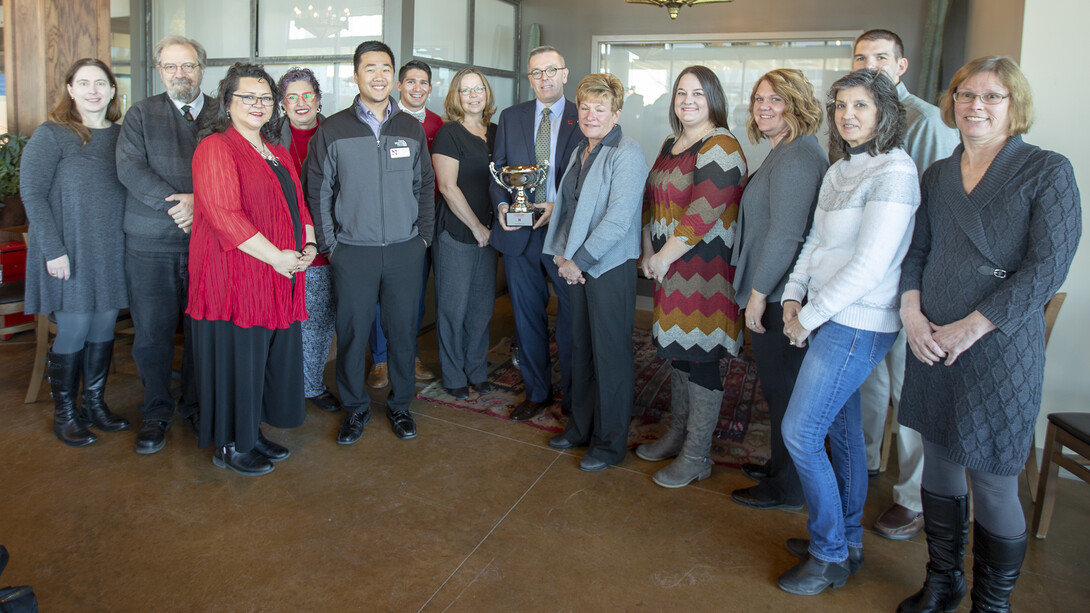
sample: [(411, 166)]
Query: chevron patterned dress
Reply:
[(693, 196)]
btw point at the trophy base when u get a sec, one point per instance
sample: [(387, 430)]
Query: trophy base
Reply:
[(521, 220)]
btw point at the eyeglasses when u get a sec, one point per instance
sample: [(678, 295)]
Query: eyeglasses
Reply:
[(187, 68), (251, 100), (548, 72), (308, 96), (465, 91), (986, 97)]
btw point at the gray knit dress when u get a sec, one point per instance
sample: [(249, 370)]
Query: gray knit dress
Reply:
[(75, 206), (1024, 217)]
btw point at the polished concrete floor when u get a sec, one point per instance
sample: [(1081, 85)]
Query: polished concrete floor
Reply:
[(475, 514)]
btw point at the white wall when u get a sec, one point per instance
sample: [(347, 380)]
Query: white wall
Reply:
[(1053, 37)]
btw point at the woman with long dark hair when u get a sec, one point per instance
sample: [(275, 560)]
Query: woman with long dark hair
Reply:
[(252, 237), (841, 299), (75, 251), (690, 207)]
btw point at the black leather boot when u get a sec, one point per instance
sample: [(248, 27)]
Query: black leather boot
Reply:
[(64, 369), (946, 523), (997, 562), (93, 409)]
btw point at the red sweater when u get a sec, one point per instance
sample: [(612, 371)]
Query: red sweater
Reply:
[(235, 196)]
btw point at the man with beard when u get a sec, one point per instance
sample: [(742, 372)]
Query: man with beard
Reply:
[(154, 156)]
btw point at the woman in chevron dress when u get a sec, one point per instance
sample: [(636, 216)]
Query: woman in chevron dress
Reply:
[(690, 208)]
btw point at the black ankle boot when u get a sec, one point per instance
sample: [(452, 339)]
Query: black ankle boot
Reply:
[(64, 369), (946, 523), (93, 409), (997, 562)]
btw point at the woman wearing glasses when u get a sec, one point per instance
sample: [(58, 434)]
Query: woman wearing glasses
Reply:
[(465, 264), (301, 103), (252, 235), (994, 239)]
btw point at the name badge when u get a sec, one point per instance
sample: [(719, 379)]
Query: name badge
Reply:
[(399, 152)]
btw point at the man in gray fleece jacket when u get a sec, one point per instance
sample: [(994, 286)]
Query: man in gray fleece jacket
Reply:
[(154, 158), (371, 189)]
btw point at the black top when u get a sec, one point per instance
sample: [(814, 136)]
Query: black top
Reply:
[(572, 183), (473, 155), (288, 186)]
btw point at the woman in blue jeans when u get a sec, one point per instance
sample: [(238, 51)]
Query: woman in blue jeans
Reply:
[(848, 274)]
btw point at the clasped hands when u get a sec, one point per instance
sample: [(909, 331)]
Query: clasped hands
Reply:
[(569, 271), (291, 261), (794, 331)]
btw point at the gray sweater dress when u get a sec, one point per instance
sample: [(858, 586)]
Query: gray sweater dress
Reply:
[(1024, 217), (75, 206)]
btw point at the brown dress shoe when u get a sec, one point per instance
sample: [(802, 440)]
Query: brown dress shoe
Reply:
[(529, 409), (899, 523), (379, 376), (422, 372)]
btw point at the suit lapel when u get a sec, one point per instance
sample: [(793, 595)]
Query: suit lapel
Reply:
[(528, 131), (568, 128)]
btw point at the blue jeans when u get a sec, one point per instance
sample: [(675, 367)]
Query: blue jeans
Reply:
[(826, 401)]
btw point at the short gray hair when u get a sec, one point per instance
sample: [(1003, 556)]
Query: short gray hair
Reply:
[(175, 39), (544, 49)]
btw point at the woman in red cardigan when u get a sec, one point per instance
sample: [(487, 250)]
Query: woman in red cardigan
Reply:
[(252, 239)]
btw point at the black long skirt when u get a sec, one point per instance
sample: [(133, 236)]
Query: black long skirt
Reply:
[(245, 377)]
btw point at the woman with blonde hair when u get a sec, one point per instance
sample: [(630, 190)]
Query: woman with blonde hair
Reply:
[(776, 213), (465, 264), (76, 247), (594, 238)]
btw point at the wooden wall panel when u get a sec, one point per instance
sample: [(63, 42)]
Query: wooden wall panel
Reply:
[(46, 37)]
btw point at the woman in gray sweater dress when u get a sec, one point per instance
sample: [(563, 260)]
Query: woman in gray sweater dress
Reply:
[(994, 239), (75, 252)]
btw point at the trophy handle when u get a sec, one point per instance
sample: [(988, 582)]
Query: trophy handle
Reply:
[(496, 176)]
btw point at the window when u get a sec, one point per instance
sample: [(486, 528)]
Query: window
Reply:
[(452, 34), (279, 34), (648, 70)]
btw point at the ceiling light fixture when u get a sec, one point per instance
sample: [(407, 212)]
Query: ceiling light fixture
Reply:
[(673, 6)]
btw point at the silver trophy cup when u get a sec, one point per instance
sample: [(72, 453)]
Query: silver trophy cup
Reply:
[(516, 180)]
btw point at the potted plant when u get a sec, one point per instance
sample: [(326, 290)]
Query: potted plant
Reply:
[(11, 151)]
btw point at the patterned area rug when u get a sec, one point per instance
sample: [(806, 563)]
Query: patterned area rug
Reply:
[(741, 436)]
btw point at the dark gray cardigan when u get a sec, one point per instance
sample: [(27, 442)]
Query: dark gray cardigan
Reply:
[(154, 160), (775, 216), (1024, 216)]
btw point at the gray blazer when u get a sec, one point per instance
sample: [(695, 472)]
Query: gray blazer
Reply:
[(605, 231)]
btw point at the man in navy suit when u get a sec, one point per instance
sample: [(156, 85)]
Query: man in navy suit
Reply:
[(522, 139)]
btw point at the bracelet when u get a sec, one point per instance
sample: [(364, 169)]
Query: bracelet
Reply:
[(315, 245)]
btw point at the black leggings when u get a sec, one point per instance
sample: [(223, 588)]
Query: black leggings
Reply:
[(995, 498), (705, 374)]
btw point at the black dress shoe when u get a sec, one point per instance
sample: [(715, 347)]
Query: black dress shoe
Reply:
[(249, 464), (273, 451), (756, 472), (352, 427), (193, 420), (152, 436), (402, 424), (461, 393), (560, 442), (757, 498), (811, 576), (326, 401), (529, 409), (800, 548), (484, 387)]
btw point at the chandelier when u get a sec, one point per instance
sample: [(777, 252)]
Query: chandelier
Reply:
[(320, 22), (673, 6)]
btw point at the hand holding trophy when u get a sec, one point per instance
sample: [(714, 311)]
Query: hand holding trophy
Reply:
[(516, 180)]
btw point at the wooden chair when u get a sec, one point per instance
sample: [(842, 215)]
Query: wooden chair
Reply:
[(1071, 430), (1052, 311)]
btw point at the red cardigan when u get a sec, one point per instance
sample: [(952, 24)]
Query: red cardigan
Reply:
[(235, 196)]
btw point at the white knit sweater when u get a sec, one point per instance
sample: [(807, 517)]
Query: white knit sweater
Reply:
[(850, 265)]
